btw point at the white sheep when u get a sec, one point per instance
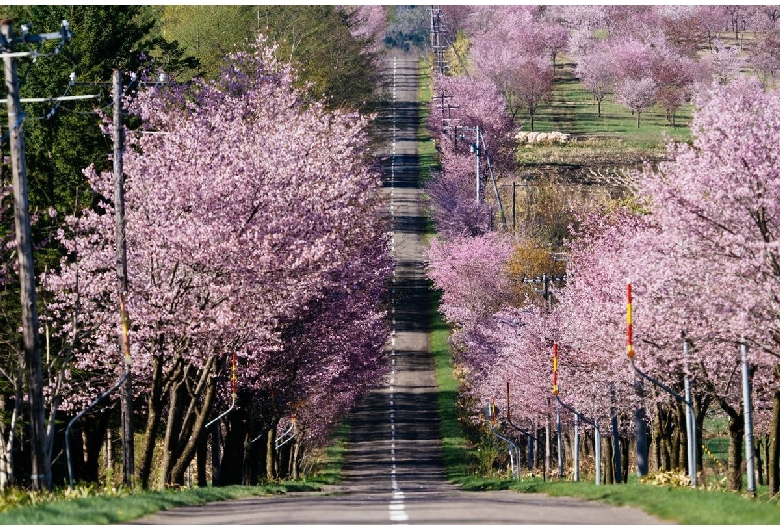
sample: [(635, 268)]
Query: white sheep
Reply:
[(534, 138)]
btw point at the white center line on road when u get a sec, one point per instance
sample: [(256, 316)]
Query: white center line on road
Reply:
[(397, 507)]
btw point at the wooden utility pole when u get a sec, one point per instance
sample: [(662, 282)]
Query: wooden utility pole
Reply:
[(41, 466), (126, 391)]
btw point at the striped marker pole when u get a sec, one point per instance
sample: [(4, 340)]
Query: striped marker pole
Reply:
[(629, 324), (557, 409), (508, 414), (555, 369), (233, 379)]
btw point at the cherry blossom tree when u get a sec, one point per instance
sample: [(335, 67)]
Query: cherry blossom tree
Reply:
[(716, 203), (469, 271), (725, 63), (512, 52), (636, 94), (245, 211), (675, 76), (368, 24), (712, 19), (596, 70), (765, 57), (452, 199), (468, 103)]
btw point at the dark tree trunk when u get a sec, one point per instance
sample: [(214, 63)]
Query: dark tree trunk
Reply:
[(216, 453), (194, 421), (681, 438), (736, 436), (774, 434), (657, 443), (154, 404), (203, 450), (624, 450), (270, 459), (176, 396), (94, 443), (295, 460), (233, 456)]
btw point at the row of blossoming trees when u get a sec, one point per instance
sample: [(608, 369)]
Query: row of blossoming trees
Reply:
[(255, 231), (639, 56), (697, 239)]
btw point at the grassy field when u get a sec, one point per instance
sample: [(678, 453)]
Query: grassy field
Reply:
[(573, 110), (604, 144)]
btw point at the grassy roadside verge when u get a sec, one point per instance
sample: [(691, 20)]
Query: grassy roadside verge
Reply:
[(454, 445), (86, 506), (123, 507)]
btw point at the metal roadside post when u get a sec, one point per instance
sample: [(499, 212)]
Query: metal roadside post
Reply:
[(596, 441), (557, 410), (594, 423), (490, 412), (748, 412), (531, 438), (690, 425)]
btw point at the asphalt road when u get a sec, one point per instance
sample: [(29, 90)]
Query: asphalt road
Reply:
[(393, 471)]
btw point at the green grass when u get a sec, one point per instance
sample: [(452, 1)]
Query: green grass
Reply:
[(680, 505), (673, 504), (330, 472), (426, 149), (574, 111), (457, 457), (128, 506)]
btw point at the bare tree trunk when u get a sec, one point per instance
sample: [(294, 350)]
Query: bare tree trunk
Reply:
[(154, 405), (269, 455), (657, 442), (295, 460), (624, 450), (201, 458), (193, 431), (681, 439), (609, 469), (736, 436), (159, 387), (774, 433), (193, 422), (173, 426), (7, 444), (216, 454)]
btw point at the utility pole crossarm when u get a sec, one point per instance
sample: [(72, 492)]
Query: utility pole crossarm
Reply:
[(64, 34), (51, 100)]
